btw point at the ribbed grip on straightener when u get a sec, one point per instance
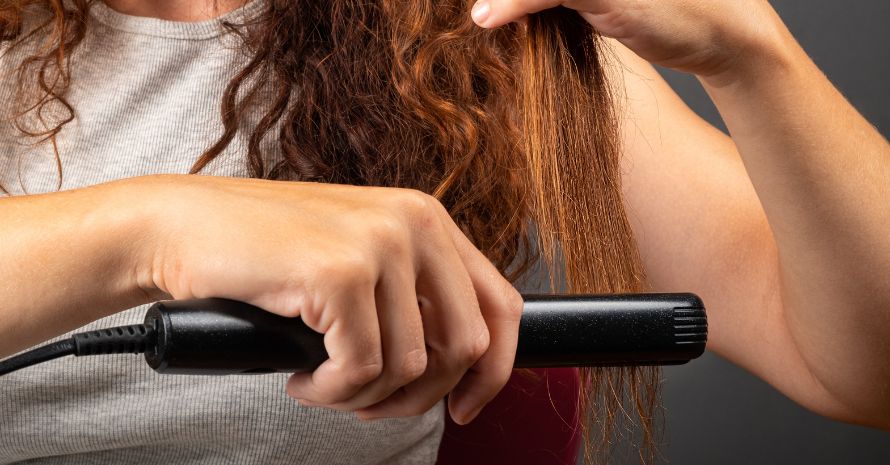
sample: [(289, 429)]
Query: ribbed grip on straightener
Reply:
[(690, 326), (132, 339)]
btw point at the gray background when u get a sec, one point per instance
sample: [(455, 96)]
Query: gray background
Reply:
[(717, 413)]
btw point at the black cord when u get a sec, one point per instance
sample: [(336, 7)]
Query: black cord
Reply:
[(132, 339), (38, 355)]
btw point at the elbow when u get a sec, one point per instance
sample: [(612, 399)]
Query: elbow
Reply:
[(863, 401)]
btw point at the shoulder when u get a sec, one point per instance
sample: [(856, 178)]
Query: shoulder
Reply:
[(22, 33)]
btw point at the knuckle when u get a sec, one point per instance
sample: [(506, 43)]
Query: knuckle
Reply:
[(364, 373), (476, 348), (329, 266), (414, 201), (352, 267), (413, 366), (385, 226), (391, 234), (480, 345), (515, 303), (419, 207)]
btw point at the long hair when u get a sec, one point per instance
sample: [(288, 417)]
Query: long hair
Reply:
[(511, 129)]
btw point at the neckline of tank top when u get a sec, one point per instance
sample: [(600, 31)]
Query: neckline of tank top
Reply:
[(182, 30)]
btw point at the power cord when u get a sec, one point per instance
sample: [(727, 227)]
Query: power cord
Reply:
[(131, 339)]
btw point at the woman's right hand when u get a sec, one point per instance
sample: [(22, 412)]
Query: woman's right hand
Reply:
[(410, 309)]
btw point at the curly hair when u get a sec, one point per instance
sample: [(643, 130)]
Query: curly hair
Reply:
[(510, 128)]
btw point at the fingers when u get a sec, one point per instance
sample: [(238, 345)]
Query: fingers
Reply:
[(353, 343), (449, 325), (494, 13), (453, 327), (481, 383), (419, 396), (404, 351), (501, 307)]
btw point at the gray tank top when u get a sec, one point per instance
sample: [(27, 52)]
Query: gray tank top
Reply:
[(147, 95)]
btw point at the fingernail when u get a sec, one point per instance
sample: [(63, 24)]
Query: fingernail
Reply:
[(469, 416), (368, 417), (480, 12), (463, 413), (306, 403)]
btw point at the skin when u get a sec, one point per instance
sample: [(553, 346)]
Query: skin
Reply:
[(789, 253), (176, 10), (752, 224)]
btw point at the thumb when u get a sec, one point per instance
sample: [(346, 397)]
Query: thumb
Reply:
[(494, 13)]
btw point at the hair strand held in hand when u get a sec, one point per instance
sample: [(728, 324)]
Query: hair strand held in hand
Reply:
[(510, 128), (571, 144)]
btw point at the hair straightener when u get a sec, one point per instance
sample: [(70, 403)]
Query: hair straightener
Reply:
[(224, 337)]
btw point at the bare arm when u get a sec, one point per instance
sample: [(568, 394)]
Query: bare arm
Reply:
[(67, 259), (783, 229), (354, 262), (822, 173), (701, 227)]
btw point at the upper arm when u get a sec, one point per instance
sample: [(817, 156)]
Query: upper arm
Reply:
[(700, 228)]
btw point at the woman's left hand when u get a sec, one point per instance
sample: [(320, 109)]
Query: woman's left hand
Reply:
[(702, 37), (800, 300)]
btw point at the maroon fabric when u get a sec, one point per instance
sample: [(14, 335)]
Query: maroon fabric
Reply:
[(533, 421)]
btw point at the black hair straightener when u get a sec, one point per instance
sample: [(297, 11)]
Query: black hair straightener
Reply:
[(224, 337)]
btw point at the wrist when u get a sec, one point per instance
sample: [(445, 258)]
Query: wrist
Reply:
[(139, 206), (762, 53)]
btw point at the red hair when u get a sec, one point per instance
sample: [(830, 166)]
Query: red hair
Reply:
[(511, 129)]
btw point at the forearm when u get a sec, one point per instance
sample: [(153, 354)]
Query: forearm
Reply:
[(820, 171), (797, 285), (67, 258)]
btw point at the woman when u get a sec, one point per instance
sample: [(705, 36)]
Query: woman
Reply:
[(750, 224)]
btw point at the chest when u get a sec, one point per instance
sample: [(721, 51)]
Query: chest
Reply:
[(140, 105)]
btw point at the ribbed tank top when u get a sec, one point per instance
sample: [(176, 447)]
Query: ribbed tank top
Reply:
[(147, 96)]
